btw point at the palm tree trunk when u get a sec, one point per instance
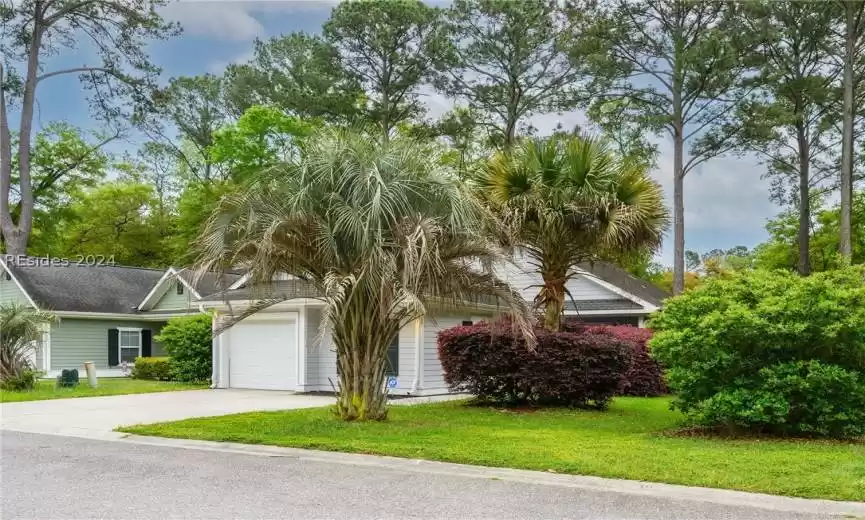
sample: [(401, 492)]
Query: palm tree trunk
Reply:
[(552, 298), (361, 353)]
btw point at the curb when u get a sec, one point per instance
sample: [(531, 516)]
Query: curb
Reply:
[(629, 487)]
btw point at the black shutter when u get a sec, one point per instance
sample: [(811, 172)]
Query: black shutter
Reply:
[(146, 343), (113, 347), (392, 368)]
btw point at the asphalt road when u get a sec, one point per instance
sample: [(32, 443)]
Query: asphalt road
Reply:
[(46, 476)]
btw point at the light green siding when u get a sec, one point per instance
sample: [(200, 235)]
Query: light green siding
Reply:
[(76, 340), (173, 301), (9, 291)]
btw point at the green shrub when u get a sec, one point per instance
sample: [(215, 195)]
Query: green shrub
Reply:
[(156, 368), (769, 352), (188, 341), (23, 381)]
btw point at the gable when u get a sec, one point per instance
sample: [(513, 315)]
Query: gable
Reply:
[(170, 300), (10, 292), (523, 277), (599, 286)]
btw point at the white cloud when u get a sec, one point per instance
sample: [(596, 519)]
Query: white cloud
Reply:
[(222, 20)]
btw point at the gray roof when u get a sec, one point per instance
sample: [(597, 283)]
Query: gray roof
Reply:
[(209, 283), (601, 305), (86, 288), (610, 273), (624, 280), (66, 286), (282, 289)]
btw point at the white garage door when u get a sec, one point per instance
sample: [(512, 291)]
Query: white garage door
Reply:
[(263, 354)]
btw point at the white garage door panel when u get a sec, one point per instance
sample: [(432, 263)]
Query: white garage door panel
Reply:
[(263, 355)]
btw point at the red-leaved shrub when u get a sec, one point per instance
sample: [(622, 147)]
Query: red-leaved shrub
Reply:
[(644, 377), (493, 363)]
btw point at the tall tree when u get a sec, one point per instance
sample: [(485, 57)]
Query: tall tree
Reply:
[(379, 231), (667, 66), (299, 73), (63, 162), (508, 61), (389, 47), (187, 114), (115, 220), (791, 123), (854, 41), (33, 29), (568, 201)]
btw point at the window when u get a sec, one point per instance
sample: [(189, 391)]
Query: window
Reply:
[(467, 323), (129, 343), (392, 367), (179, 287)]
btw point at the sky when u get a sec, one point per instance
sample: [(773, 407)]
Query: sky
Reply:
[(726, 200)]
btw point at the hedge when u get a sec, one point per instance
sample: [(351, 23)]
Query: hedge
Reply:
[(494, 364), (156, 368), (188, 341), (644, 377), (769, 352)]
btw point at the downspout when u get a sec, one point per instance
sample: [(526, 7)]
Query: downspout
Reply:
[(417, 383)]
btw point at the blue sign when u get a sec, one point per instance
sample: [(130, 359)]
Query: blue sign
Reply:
[(391, 382)]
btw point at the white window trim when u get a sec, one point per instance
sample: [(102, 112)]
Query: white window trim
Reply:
[(120, 347)]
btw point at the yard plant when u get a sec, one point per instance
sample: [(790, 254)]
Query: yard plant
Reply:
[(21, 327), (564, 201), (188, 342), (492, 363), (769, 352), (378, 230)]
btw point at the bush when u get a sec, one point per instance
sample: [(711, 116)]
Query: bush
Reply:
[(156, 368), (569, 369), (644, 377), (24, 380), (769, 352), (188, 341)]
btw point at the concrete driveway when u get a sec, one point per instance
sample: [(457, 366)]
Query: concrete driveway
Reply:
[(98, 416)]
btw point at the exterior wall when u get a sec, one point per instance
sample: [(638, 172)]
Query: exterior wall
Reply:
[(9, 291), (173, 301), (321, 375), (433, 381), (76, 340), (320, 356)]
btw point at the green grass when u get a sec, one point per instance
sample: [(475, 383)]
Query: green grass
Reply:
[(629, 441), (107, 386)]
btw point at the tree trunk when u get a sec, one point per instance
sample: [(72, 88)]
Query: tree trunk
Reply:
[(678, 197), (845, 246), (804, 239), (361, 342), (17, 235), (551, 298)]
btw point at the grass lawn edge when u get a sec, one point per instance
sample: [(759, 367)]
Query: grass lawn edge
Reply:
[(794, 468)]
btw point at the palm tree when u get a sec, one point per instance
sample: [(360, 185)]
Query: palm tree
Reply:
[(20, 328), (565, 201), (380, 230)]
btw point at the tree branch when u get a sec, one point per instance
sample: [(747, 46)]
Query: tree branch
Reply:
[(73, 70)]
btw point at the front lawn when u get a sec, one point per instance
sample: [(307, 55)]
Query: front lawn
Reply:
[(107, 386), (628, 441)]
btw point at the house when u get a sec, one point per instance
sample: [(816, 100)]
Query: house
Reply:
[(287, 347), (111, 314), (105, 314)]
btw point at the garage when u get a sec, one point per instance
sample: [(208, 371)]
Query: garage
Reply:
[(262, 352)]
